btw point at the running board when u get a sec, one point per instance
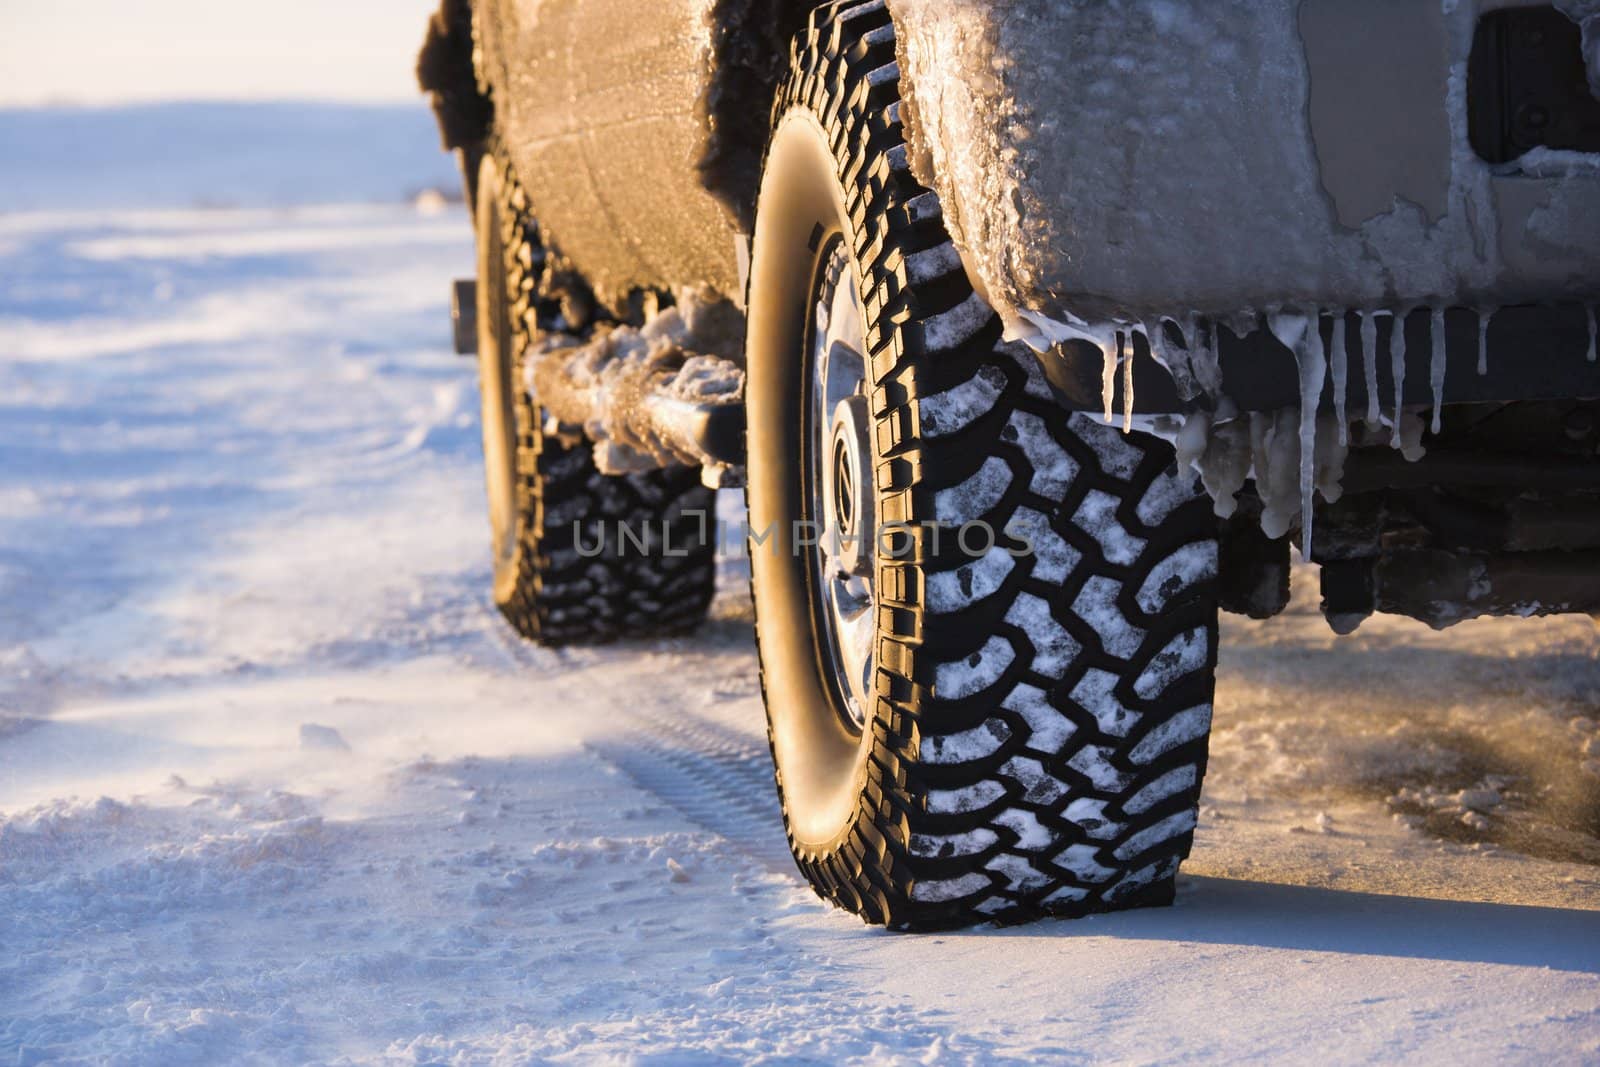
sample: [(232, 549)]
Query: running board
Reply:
[(633, 408), (639, 415)]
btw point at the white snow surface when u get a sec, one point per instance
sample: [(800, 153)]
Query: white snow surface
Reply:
[(277, 786)]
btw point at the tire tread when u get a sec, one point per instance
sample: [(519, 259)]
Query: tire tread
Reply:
[(1007, 802)]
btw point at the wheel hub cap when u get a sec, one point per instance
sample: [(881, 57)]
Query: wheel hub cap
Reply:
[(839, 427)]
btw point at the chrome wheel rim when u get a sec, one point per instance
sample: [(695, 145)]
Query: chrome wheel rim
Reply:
[(842, 526)]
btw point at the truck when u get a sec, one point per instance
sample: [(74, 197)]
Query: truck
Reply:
[(1037, 332)]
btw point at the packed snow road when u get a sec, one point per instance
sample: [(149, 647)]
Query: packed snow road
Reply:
[(277, 785)]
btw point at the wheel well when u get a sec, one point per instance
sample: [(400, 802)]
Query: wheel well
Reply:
[(749, 44), (750, 57)]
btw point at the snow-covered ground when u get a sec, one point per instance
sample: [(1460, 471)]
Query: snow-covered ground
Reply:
[(276, 785)]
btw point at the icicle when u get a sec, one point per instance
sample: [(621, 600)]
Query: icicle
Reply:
[(1302, 335), (1369, 357), (1397, 369), (1273, 442), (1193, 439), (1158, 348), (1313, 376), (1127, 386), (1484, 315), (1331, 454), (1175, 360), (1341, 376), (1110, 353), (1203, 355), (1411, 428), (1226, 463), (1593, 314), (1436, 366)]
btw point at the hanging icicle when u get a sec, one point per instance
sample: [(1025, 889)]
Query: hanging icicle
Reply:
[(1341, 375), (1369, 359), (1313, 375), (1436, 365), (1484, 315), (1127, 385), (1111, 354), (1397, 369)]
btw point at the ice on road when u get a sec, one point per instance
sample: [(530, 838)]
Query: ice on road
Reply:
[(277, 785)]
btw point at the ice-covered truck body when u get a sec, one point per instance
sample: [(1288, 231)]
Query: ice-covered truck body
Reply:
[(1117, 161), (1147, 289), (1099, 160)]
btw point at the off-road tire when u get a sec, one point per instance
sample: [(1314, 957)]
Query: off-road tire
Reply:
[(568, 575), (1041, 720)]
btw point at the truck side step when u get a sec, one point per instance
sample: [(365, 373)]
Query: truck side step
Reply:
[(629, 399), (634, 408)]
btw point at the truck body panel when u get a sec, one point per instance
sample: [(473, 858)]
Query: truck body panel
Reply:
[(1120, 160)]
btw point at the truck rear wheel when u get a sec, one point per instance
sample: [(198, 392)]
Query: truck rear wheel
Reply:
[(578, 557), (987, 625)]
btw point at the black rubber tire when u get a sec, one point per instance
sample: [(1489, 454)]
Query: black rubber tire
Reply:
[(564, 571), (1040, 724)]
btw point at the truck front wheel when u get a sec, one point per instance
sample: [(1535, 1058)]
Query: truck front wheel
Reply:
[(987, 624)]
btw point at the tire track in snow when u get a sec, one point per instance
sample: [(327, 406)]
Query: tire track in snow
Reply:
[(520, 655), (716, 777)]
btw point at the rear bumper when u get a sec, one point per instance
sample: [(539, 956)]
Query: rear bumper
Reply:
[(1526, 352)]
